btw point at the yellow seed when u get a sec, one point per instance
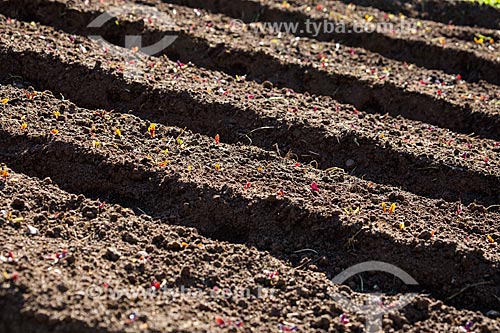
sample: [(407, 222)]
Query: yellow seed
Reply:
[(402, 225), (57, 114), (392, 208), (490, 239), (118, 132), (24, 126), (5, 100), (152, 129)]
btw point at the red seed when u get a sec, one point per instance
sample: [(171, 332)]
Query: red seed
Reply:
[(155, 285)]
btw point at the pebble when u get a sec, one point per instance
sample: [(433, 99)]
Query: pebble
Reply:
[(349, 163), (129, 238), (17, 204), (303, 292), (185, 272), (89, 212), (267, 85), (113, 254), (174, 246), (62, 287), (32, 230), (493, 314), (322, 322)]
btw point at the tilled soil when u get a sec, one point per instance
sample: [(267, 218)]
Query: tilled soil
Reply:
[(431, 45), (242, 173), (449, 12), (70, 274)]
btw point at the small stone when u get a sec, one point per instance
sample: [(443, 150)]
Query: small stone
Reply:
[(32, 230), (323, 261), (493, 314), (62, 287), (70, 259), (89, 212), (322, 322), (303, 292), (174, 246), (437, 305), (423, 304), (129, 238), (267, 85), (112, 254), (473, 207), (425, 235), (17, 204), (349, 163), (185, 271), (275, 311)]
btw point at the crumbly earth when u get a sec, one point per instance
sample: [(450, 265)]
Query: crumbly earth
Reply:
[(136, 190)]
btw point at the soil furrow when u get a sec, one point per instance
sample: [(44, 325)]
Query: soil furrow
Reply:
[(448, 12), (365, 80), (434, 46), (269, 202), (215, 182), (462, 173), (71, 259)]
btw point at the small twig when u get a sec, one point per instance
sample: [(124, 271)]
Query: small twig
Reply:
[(246, 136), (302, 265), (260, 128), (277, 149), (493, 206), (182, 132), (314, 161), (350, 241), (467, 288), (309, 261), (307, 250), (141, 211), (334, 169)]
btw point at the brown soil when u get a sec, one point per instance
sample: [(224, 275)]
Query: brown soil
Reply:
[(224, 214), (434, 45), (449, 12)]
